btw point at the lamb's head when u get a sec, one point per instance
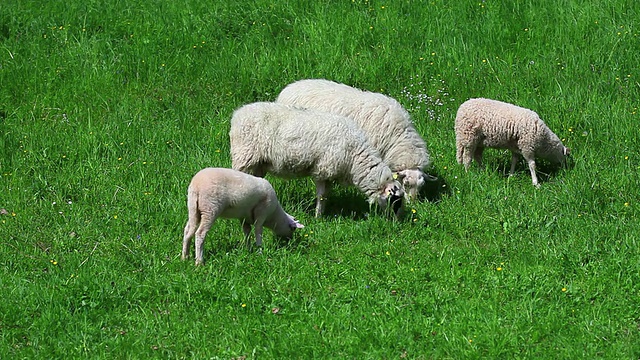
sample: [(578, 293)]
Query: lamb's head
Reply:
[(412, 181), (286, 226), (553, 150), (389, 196)]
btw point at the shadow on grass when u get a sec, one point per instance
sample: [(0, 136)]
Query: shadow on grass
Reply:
[(433, 191)]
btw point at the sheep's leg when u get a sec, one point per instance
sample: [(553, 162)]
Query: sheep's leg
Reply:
[(258, 226), (190, 227), (246, 229), (532, 169), (205, 224), (477, 156), (321, 190), (189, 231), (467, 154), (514, 161)]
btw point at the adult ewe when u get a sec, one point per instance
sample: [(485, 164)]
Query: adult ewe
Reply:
[(386, 123), (482, 123), (290, 142), (219, 192)]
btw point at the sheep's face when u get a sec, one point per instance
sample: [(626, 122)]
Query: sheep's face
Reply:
[(289, 227), (557, 153), (391, 195), (412, 182)]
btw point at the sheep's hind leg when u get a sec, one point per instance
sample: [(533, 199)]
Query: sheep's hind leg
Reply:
[(189, 231), (246, 229), (321, 190), (205, 224), (477, 156), (514, 161)]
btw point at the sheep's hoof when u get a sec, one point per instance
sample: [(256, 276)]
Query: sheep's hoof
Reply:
[(199, 262)]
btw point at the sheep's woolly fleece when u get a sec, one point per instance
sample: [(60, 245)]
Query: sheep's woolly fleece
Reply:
[(291, 142), (482, 123), (226, 193)]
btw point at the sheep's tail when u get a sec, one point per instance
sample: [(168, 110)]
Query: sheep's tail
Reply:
[(194, 213), (459, 154)]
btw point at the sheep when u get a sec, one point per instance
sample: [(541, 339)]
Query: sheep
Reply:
[(291, 142), (482, 123), (386, 123), (227, 193)]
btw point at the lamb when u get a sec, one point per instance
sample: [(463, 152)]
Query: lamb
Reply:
[(290, 142), (220, 192), (482, 123), (385, 122)]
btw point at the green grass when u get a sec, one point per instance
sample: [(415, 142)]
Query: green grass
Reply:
[(108, 110)]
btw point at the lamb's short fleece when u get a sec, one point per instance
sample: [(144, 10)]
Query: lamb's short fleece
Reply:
[(227, 193)]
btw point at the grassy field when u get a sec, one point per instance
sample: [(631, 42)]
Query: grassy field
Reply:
[(107, 109)]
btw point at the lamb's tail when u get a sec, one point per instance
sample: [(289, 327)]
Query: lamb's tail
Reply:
[(194, 213), (459, 153)]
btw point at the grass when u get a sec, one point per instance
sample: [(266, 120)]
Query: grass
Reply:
[(107, 111)]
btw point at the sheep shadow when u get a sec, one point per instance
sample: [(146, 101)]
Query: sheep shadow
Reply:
[(545, 170), (433, 191)]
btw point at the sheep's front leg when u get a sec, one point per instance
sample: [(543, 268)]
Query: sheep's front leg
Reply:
[(321, 190), (532, 169)]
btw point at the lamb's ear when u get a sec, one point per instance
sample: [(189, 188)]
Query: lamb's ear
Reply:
[(293, 223), (399, 175)]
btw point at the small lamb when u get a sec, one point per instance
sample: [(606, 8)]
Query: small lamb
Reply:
[(227, 193), (291, 142), (385, 122), (489, 123)]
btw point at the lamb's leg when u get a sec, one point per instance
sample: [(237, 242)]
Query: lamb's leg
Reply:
[(321, 190), (246, 229), (477, 156), (190, 227), (205, 224), (532, 169), (189, 231), (514, 161)]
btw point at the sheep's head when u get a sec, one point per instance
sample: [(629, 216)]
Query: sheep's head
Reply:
[(287, 231), (554, 150), (391, 196), (412, 181)]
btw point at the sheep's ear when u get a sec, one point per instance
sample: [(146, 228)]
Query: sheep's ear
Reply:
[(566, 151), (400, 175), (294, 223)]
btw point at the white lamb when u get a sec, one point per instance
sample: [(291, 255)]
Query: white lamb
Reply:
[(290, 142), (482, 123), (227, 193), (385, 122)]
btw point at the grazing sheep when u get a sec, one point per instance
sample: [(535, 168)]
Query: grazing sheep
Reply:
[(219, 192), (386, 124), (484, 123), (290, 142)]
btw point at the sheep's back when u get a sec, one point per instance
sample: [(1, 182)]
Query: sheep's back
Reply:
[(498, 124), (296, 142), (387, 125)]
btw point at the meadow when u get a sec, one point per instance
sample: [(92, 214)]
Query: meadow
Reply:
[(107, 109)]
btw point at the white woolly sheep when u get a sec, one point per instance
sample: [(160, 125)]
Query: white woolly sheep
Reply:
[(482, 123), (290, 142), (386, 124), (227, 193)]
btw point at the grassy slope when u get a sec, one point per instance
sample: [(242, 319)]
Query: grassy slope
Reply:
[(108, 110)]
